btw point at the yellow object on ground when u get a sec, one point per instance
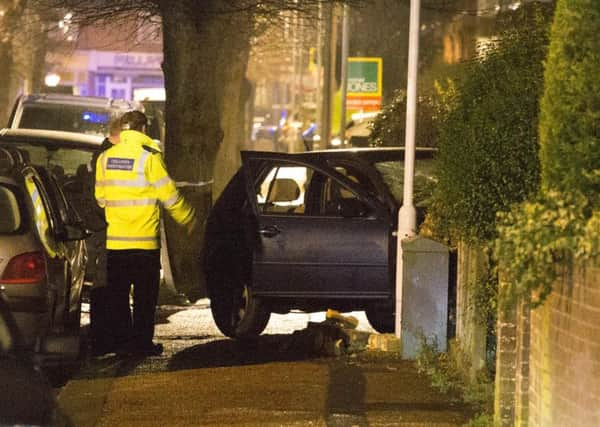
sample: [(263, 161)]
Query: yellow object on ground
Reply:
[(349, 322)]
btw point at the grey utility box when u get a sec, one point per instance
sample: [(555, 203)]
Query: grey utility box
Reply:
[(424, 294)]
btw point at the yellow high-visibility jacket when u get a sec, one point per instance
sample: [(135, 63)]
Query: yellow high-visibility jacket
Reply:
[(131, 184)]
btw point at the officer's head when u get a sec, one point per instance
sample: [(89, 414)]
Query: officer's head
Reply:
[(134, 120), (114, 129)]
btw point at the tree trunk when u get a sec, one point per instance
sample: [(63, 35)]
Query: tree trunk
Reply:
[(39, 39), (204, 64), (6, 65), (9, 66), (234, 96)]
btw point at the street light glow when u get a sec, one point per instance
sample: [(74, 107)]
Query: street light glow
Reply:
[(52, 80)]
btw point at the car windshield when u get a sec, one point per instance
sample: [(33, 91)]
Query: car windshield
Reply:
[(70, 118), (392, 173), (10, 220), (60, 160)]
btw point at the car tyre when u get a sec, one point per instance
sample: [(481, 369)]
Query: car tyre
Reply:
[(381, 317), (236, 312)]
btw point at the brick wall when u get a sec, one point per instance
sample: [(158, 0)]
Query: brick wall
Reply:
[(522, 363), (548, 358), (470, 327), (506, 360), (564, 359)]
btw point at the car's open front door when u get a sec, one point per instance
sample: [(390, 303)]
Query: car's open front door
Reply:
[(318, 234)]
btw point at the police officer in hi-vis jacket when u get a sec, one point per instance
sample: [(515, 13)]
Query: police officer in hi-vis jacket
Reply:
[(131, 185)]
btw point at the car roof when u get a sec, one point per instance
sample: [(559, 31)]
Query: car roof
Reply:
[(370, 154), (51, 137), (65, 99)]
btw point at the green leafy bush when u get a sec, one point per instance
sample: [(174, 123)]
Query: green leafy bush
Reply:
[(488, 142), (389, 128), (537, 237), (562, 224), (570, 115), (449, 373)]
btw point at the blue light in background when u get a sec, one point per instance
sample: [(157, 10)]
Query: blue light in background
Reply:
[(92, 117), (310, 131)]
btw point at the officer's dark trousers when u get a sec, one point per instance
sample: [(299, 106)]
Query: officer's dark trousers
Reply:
[(141, 269)]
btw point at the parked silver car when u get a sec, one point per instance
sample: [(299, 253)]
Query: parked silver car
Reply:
[(28, 398), (64, 153), (42, 256), (67, 155)]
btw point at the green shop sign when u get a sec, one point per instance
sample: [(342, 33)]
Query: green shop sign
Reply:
[(364, 77)]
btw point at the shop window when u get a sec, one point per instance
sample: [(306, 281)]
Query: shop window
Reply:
[(117, 93)]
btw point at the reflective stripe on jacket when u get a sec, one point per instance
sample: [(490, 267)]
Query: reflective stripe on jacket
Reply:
[(131, 184)]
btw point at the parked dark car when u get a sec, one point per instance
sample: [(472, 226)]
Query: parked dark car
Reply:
[(71, 113), (42, 256), (67, 155), (308, 231), (27, 397)]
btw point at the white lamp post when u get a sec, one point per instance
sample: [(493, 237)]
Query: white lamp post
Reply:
[(407, 215)]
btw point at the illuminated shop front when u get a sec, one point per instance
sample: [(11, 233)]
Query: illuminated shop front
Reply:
[(108, 73)]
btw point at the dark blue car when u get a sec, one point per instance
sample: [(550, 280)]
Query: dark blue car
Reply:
[(308, 231)]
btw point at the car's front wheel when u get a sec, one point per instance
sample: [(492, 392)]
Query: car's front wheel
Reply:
[(236, 312)]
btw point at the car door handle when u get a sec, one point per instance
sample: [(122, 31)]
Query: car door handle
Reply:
[(269, 231)]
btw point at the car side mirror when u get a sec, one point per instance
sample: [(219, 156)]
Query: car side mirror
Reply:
[(70, 232)]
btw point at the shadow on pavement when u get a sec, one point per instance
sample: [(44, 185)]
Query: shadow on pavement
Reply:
[(219, 353), (228, 352), (346, 395)]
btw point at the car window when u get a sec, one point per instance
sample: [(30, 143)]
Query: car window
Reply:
[(62, 161), (283, 189), (333, 195), (336, 196), (339, 200), (67, 213), (10, 220), (69, 118), (392, 173), (301, 190)]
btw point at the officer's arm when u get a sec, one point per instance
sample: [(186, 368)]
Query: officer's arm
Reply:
[(99, 184), (169, 196)]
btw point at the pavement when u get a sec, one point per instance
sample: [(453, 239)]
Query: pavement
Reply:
[(277, 380)]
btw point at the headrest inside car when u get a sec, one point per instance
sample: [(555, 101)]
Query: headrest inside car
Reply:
[(284, 190)]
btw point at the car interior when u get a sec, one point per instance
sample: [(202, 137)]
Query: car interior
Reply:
[(10, 221), (324, 195), (281, 192)]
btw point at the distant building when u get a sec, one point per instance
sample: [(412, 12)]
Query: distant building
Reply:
[(112, 61)]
